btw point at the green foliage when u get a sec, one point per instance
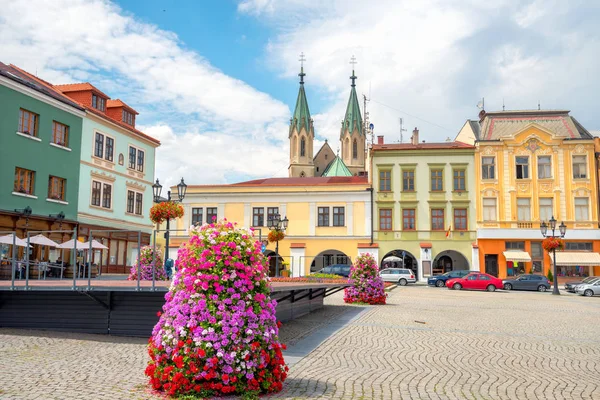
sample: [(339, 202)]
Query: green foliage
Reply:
[(325, 276), (550, 276)]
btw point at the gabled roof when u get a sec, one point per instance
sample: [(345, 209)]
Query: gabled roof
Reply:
[(80, 87), (422, 146), (16, 74), (337, 168), (301, 112), (120, 103), (475, 127), (496, 125), (352, 119), (325, 146)]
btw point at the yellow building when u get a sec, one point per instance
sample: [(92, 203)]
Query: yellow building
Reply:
[(530, 166), (329, 218), (425, 205)]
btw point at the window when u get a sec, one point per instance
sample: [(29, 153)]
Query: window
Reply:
[(408, 219), (338, 216), (258, 216), (537, 257), (271, 212), (489, 209), (109, 149), (459, 179), (437, 219), (385, 181), (323, 216), (130, 201), (302, 147), (99, 146), (514, 245), (139, 201), (544, 167), (140, 160), (385, 219), (522, 167), (132, 157), (523, 209), (28, 122), (56, 188), (98, 102), (211, 214), (60, 134), (24, 181), (579, 246), (460, 219), (546, 208), (196, 216), (106, 195), (488, 167), (579, 167), (581, 209), (437, 181), (408, 181), (127, 117), (96, 193), (355, 149)]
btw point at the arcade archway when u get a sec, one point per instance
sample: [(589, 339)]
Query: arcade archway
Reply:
[(329, 257), (272, 261), (449, 260), (400, 258)]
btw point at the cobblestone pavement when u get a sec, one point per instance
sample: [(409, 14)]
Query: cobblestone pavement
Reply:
[(427, 343), (433, 343)]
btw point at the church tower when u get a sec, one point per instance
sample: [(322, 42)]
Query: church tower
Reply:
[(301, 135), (352, 135)]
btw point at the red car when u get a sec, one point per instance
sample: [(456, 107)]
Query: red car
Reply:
[(475, 281)]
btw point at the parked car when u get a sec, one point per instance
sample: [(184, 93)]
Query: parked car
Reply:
[(589, 289), (440, 280), (336, 269), (401, 276), (475, 281), (570, 286), (527, 282)]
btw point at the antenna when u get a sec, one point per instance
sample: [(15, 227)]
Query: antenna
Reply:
[(503, 104), (367, 130), (539, 107), (401, 129)]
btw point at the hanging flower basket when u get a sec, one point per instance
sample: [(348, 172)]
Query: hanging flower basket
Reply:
[(276, 236), (550, 244), (166, 210)]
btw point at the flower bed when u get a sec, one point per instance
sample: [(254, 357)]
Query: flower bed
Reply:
[(166, 210), (367, 285), (146, 263), (217, 334), (311, 279)]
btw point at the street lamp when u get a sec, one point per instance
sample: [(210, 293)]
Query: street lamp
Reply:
[(275, 223), (562, 230), (156, 190)]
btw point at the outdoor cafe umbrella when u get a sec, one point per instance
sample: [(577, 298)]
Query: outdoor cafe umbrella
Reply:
[(43, 240), (95, 245), (392, 259), (70, 244), (12, 239)]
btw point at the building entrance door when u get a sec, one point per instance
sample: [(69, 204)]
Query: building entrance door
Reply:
[(491, 264)]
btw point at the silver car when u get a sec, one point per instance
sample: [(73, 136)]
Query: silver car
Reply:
[(401, 276), (570, 286), (589, 289)]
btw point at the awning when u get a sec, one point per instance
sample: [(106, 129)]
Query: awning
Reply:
[(576, 259), (516, 255)]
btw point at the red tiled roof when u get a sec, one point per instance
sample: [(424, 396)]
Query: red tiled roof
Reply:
[(121, 124), (80, 87), (119, 103), (423, 146), (308, 181)]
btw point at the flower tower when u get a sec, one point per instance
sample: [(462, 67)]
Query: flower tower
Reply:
[(146, 262), (218, 333), (367, 285)]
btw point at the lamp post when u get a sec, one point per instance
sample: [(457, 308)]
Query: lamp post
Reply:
[(156, 189), (275, 223), (562, 229)]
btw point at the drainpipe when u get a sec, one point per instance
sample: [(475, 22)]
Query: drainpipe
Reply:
[(370, 189), (597, 156)]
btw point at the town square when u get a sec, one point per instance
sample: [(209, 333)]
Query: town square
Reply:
[(296, 199)]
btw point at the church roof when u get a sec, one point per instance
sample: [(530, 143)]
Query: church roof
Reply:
[(353, 118), (337, 168), (301, 112)]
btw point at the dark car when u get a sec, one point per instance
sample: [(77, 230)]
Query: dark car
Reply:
[(440, 280), (570, 286), (336, 269), (527, 282)]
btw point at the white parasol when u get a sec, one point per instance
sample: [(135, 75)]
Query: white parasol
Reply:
[(70, 244), (95, 245), (392, 259), (42, 240), (12, 239)]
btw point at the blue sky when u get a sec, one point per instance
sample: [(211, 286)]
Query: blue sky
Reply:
[(216, 81)]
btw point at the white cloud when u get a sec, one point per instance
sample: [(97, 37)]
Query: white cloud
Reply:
[(431, 61), (75, 40)]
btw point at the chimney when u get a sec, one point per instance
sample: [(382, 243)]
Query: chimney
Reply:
[(415, 137), (379, 139)]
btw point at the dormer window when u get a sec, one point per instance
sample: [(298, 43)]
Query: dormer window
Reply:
[(99, 103), (127, 117)]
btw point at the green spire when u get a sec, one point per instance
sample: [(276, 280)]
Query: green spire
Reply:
[(353, 118), (337, 168), (301, 113)]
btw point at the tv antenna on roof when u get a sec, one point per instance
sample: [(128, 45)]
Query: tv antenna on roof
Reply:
[(401, 129)]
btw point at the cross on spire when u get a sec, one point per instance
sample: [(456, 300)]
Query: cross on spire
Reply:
[(302, 74), (353, 62)]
